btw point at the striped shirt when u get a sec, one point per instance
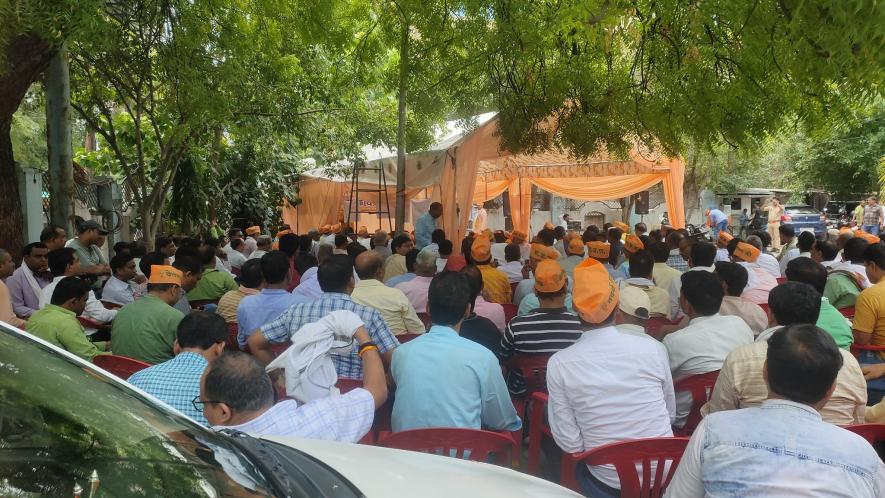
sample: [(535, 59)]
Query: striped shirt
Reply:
[(543, 330)]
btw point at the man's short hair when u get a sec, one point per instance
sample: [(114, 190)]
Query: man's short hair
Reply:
[(805, 241), (50, 232), (399, 240), (251, 275), (201, 329), (239, 381), (425, 261), (26, 251), (340, 240), (163, 241), (206, 255), (828, 250), (289, 244), (559, 232), (875, 254), (474, 279), (787, 231), (379, 239), (547, 236), (69, 288), (703, 292), (411, 258), (188, 264), (335, 273), (807, 271), (794, 302), (233, 233), (304, 243), (137, 249), (512, 252), (304, 261), (448, 297), (764, 237), (354, 249), (151, 259), (660, 252), (275, 267), (60, 259), (119, 261), (733, 275), (500, 238), (703, 254), (237, 244), (641, 264), (803, 362), (674, 238), (438, 236), (121, 246), (854, 250), (446, 247)]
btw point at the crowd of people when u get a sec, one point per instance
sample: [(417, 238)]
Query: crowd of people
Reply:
[(762, 310)]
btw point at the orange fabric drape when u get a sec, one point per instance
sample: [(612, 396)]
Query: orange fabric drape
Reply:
[(486, 191), (520, 193), (320, 202), (673, 194)]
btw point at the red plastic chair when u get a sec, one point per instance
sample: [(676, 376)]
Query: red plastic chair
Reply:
[(847, 312), (111, 306), (764, 307), (534, 371), (701, 387), (467, 444), (121, 366), (873, 433), (426, 319), (857, 348), (625, 455), (510, 311), (404, 338), (346, 385), (538, 429), (232, 344)]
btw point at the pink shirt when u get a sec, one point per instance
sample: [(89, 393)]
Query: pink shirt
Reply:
[(764, 283), (492, 311), (416, 291), (6, 314)]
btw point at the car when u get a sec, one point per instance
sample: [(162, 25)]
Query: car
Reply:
[(66, 424), (805, 218), (839, 211)]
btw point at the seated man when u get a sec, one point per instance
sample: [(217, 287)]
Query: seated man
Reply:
[(782, 448), (120, 288), (411, 257), (468, 390), (734, 280), (722, 246), (741, 384), (199, 339), (537, 253), (393, 305), (396, 263), (803, 269), (662, 274), (443, 254), (214, 283), (336, 280), (513, 265), (29, 279), (788, 248), (191, 272), (263, 245), (825, 253), (237, 394), (608, 386), (416, 288), (476, 327), (759, 280), (57, 321), (251, 282), (272, 301), (849, 277), (235, 257), (702, 346), (701, 256), (869, 318), (574, 255), (496, 284), (65, 263), (145, 329), (641, 266)]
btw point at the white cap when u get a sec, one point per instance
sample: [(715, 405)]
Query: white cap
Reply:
[(634, 301)]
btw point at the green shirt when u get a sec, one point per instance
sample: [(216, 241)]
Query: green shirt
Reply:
[(835, 324), (841, 291), (89, 256), (145, 330), (212, 286), (60, 327)]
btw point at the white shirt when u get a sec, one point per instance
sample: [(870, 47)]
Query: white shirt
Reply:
[(609, 387), (630, 329), (770, 264), (235, 258), (789, 256), (513, 270), (701, 347), (257, 254), (94, 309), (676, 288), (497, 251), (853, 268), (722, 255), (118, 292)]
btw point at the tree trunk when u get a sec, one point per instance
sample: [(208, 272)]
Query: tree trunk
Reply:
[(26, 58), (58, 137), (401, 129), (148, 229)]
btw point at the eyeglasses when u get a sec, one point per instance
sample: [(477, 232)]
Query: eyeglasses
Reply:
[(198, 403)]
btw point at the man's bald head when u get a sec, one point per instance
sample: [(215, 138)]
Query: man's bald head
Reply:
[(239, 381), (674, 239), (368, 265)]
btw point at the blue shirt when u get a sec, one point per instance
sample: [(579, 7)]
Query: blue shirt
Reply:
[(424, 227), (176, 382), (405, 277), (349, 365), (445, 380), (262, 308), (717, 216)]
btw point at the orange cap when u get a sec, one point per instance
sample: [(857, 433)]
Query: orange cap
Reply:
[(548, 225), (622, 226), (598, 250), (481, 250), (336, 227), (632, 244), (725, 237), (595, 294), (325, 229), (870, 238), (576, 246), (163, 274), (549, 276), (746, 252), (518, 236), (253, 230), (844, 230), (541, 252)]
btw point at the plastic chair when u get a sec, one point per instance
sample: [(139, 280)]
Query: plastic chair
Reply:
[(510, 311), (89, 323), (426, 319), (346, 385), (847, 312), (701, 387), (232, 344), (857, 348), (466, 444), (201, 303), (121, 366), (404, 338), (873, 433), (111, 306), (534, 371), (625, 455), (538, 428)]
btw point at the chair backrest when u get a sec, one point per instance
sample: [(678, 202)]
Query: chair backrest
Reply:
[(534, 370), (857, 348), (847, 312), (121, 366), (425, 317), (701, 387), (873, 433), (346, 385), (232, 344), (657, 458), (404, 338), (467, 444), (510, 311)]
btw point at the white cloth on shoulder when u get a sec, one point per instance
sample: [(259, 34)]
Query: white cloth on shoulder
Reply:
[(309, 371)]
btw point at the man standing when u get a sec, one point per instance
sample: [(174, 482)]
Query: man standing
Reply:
[(445, 380), (872, 216), (57, 322), (29, 279), (783, 448), (91, 260), (718, 221), (608, 386), (119, 288), (426, 224), (393, 305), (479, 219), (496, 284), (563, 221), (775, 211)]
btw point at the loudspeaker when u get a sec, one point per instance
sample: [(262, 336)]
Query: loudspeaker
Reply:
[(640, 201)]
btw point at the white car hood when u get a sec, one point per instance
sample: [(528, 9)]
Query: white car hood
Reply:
[(388, 473)]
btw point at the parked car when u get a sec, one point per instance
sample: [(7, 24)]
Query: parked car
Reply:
[(66, 424), (805, 219)]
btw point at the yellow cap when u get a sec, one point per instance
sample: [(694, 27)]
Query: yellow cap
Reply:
[(725, 238), (746, 252), (541, 252), (621, 226), (598, 250), (549, 276), (576, 246), (254, 230), (481, 250), (163, 274), (632, 244), (595, 294)]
